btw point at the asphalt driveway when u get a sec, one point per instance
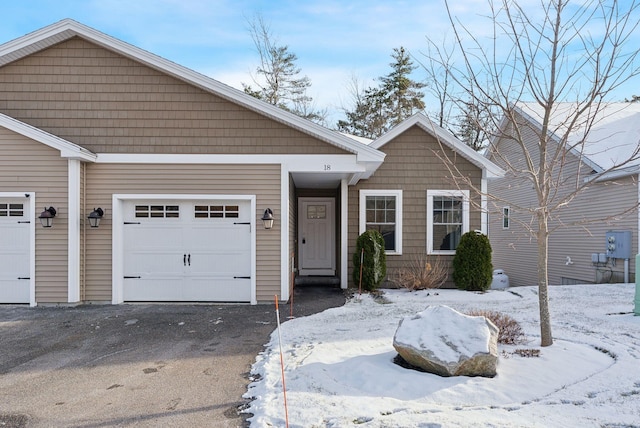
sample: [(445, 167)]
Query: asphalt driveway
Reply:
[(137, 365)]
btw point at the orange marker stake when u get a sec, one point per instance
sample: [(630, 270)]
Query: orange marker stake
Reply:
[(284, 387)]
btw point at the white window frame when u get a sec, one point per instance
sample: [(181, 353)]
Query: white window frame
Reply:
[(363, 215), (506, 215), (464, 194)]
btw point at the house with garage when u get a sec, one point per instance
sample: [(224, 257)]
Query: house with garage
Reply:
[(125, 177), (596, 233)]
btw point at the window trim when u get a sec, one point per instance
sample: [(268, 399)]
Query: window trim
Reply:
[(506, 215), (363, 214), (464, 194)]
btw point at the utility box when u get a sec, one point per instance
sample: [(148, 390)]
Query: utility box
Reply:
[(618, 244)]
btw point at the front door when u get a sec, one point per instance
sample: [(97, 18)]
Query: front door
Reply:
[(316, 236)]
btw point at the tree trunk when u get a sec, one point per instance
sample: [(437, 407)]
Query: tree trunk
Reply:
[(546, 339)]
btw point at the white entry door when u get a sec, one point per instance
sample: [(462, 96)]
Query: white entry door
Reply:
[(316, 236), (187, 251), (14, 250)]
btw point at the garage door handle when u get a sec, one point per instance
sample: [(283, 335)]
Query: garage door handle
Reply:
[(184, 259), (132, 277), (241, 277), (189, 259), (24, 277)]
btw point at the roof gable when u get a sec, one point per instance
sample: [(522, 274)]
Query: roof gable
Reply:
[(444, 137), (67, 28)]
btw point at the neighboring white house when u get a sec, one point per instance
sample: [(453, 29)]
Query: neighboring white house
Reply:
[(602, 247)]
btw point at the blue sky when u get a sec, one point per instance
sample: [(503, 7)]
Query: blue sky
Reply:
[(333, 39)]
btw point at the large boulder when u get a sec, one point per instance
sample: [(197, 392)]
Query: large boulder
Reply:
[(443, 341)]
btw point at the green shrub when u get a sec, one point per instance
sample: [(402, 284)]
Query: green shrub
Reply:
[(472, 268), (374, 266)]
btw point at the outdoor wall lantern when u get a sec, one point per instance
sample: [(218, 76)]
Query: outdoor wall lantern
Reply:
[(267, 218), (46, 217), (95, 217)]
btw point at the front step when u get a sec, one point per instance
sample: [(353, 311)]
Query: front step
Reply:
[(332, 281)]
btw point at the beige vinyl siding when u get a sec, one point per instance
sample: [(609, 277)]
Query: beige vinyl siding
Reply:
[(413, 165), (602, 200), (104, 180), (111, 104), (515, 250), (29, 166)]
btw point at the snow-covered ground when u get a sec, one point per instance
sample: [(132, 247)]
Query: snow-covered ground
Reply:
[(339, 369)]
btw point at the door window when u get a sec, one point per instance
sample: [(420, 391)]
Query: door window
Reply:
[(316, 212)]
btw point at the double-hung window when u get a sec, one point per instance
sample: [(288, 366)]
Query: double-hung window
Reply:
[(505, 217), (381, 210), (447, 219)]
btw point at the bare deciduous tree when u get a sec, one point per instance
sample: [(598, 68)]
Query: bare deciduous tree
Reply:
[(559, 55), (461, 115), (438, 61)]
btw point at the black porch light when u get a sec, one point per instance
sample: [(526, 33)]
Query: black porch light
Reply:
[(47, 216), (267, 218), (95, 216)]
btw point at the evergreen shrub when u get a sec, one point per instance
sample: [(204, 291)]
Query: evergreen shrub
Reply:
[(374, 265), (472, 268)]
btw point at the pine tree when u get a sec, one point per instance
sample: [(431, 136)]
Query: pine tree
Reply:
[(378, 109), (402, 95), (279, 81)]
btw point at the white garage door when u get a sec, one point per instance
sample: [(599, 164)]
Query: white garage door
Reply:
[(14, 250), (187, 251)]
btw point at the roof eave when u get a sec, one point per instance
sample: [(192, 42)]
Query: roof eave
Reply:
[(69, 28), (67, 149)]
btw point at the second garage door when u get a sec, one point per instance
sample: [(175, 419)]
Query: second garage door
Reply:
[(14, 250), (187, 251)]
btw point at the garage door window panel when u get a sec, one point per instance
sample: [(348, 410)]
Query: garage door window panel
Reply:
[(217, 211), (157, 211), (11, 210)]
